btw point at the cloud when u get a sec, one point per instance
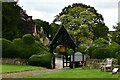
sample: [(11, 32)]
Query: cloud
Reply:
[(47, 9), (106, 4)]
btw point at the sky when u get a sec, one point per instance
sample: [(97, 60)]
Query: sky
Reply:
[(48, 9)]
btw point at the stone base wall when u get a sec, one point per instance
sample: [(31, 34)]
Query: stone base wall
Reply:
[(93, 63), (14, 61), (96, 63)]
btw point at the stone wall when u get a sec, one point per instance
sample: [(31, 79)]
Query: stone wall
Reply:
[(14, 61), (94, 63)]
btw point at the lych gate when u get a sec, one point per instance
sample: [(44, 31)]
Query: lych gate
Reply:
[(65, 40)]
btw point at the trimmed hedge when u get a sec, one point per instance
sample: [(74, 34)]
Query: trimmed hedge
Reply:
[(28, 39), (43, 60), (22, 48), (8, 49)]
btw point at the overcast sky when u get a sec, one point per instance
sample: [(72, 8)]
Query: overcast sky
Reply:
[(48, 9)]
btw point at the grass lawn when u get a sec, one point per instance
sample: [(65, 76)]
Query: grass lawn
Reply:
[(78, 73), (10, 68)]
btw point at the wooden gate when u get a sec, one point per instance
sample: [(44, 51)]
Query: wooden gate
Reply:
[(66, 61)]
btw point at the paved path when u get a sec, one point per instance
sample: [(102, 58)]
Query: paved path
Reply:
[(29, 73)]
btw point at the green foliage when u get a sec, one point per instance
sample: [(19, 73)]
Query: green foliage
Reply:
[(113, 49), (100, 31), (101, 42), (82, 48), (90, 51), (10, 20), (9, 50), (116, 37), (100, 53), (118, 58), (117, 27), (70, 51), (54, 29), (116, 34), (27, 46), (23, 48), (28, 39), (13, 25), (83, 22), (43, 60)]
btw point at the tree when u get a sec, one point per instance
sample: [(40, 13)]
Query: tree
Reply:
[(10, 20), (116, 34), (54, 29), (76, 15), (117, 27), (101, 42), (15, 21)]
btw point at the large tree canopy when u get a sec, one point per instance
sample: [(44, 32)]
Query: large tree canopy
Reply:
[(10, 20), (83, 22), (15, 21)]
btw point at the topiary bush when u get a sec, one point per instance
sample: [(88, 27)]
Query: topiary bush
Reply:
[(43, 60), (26, 50), (28, 39), (23, 48), (9, 50)]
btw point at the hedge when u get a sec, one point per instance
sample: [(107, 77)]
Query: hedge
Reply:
[(9, 50), (43, 60), (100, 53), (22, 48), (28, 39), (118, 58)]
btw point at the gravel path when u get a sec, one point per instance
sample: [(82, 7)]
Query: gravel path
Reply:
[(29, 73)]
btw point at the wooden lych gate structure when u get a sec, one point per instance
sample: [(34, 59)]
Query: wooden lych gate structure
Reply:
[(65, 40)]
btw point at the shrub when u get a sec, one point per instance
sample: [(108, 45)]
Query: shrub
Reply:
[(100, 53), (28, 39), (8, 49), (118, 58), (90, 51), (112, 49), (17, 41), (101, 42), (23, 48), (70, 51), (43, 60)]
